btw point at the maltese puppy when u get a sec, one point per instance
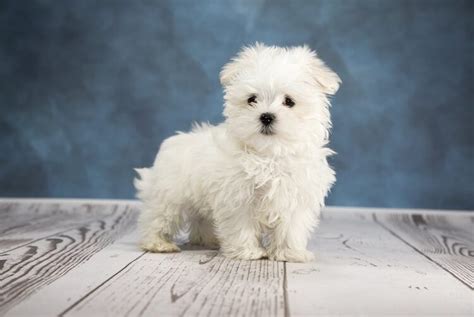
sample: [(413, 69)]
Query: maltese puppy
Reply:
[(254, 185)]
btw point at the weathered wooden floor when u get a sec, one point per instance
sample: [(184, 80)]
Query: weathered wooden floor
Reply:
[(80, 258)]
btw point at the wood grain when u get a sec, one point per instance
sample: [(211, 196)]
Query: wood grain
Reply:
[(447, 241), (362, 269), (24, 222), (190, 283), (27, 268), (81, 259), (81, 280)]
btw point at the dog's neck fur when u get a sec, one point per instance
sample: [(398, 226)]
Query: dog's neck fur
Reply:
[(307, 148)]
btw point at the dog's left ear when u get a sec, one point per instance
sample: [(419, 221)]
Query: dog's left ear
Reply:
[(322, 75)]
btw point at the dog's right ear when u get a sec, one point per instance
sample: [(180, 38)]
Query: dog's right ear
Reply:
[(229, 72), (246, 56)]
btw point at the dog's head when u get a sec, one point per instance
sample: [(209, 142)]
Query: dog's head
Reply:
[(276, 99)]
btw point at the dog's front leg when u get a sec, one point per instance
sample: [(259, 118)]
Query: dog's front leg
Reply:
[(239, 235), (289, 239)]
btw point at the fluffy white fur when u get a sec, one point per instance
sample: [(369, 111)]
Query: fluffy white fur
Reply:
[(253, 195)]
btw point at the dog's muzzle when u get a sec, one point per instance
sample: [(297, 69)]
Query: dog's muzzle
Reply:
[(267, 119)]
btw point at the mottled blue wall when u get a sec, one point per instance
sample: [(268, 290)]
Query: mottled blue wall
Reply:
[(89, 89)]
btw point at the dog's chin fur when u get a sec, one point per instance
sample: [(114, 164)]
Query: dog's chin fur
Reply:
[(253, 191)]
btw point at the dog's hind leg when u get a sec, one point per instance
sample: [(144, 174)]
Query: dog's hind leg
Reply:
[(202, 233), (158, 226)]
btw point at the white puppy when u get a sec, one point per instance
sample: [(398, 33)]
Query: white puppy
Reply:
[(261, 173)]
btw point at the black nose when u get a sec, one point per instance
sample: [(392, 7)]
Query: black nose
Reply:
[(267, 118)]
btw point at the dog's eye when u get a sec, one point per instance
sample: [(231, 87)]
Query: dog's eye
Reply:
[(289, 102), (252, 99)]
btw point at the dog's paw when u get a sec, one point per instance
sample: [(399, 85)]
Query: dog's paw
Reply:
[(159, 246), (290, 255), (247, 253)]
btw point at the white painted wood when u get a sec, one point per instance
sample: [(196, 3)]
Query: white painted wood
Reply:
[(195, 282), (21, 223), (446, 240), (81, 280), (27, 268), (377, 210), (362, 269), (398, 210)]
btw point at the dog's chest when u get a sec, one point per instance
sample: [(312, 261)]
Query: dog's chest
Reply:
[(265, 173), (278, 187)]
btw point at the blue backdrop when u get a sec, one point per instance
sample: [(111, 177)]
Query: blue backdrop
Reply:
[(89, 89)]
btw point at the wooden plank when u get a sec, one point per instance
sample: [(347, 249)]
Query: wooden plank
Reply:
[(81, 280), (193, 282), (398, 210), (362, 269), (445, 239), (27, 221), (18, 213), (25, 269)]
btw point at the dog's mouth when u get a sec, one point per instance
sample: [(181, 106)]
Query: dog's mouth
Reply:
[(267, 130)]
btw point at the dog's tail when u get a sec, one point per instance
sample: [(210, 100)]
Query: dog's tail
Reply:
[(141, 182)]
